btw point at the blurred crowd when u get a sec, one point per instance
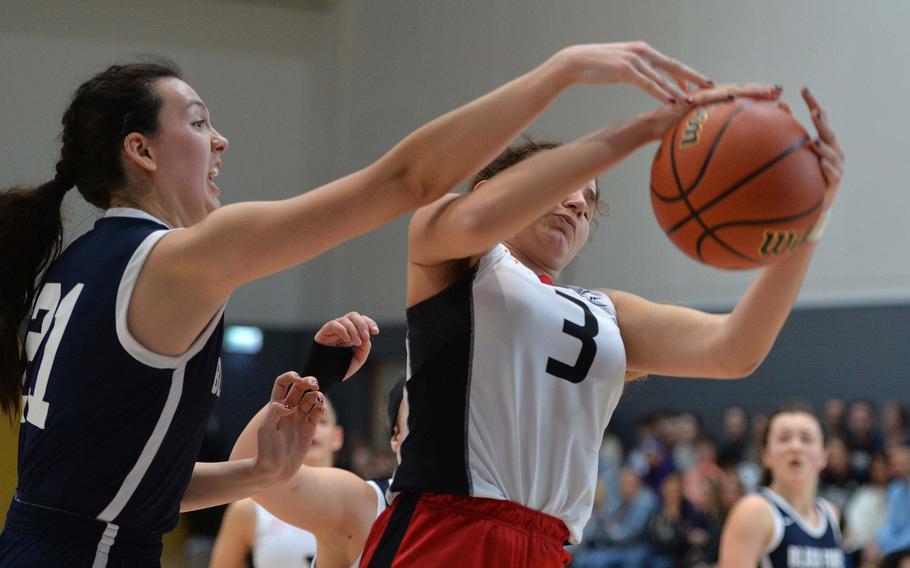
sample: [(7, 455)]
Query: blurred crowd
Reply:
[(663, 502)]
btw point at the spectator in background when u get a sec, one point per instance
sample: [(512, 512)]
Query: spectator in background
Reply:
[(731, 489), (704, 540), (652, 459), (835, 417), (895, 424), (757, 425), (686, 428), (671, 526), (863, 437), (618, 539), (705, 468), (735, 437), (838, 480), (749, 470), (867, 509), (892, 543), (609, 464)]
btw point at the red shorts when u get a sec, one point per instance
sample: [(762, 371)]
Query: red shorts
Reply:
[(430, 529)]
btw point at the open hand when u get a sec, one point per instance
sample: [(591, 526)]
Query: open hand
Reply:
[(664, 118), (635, 63)]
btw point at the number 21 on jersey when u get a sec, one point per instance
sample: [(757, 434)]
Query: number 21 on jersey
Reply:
[(55, 314)]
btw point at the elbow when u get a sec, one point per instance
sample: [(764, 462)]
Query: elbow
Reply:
[(742, 369), (423, 187)]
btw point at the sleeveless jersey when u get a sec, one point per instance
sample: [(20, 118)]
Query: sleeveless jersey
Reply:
[(110, 430), (795, 543), (280, 545), (511, 383)]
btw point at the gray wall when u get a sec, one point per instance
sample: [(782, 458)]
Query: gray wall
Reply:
[(308, 91)]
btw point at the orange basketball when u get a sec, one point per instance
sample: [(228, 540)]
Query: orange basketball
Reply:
[(736, 185)]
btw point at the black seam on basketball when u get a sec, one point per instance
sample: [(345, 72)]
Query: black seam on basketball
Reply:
[(704, 166), (685, 196), (676, 180), (738, 185), (786, 219), (682, 194)]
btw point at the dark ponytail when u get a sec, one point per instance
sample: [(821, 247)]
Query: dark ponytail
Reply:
[(120, 100)]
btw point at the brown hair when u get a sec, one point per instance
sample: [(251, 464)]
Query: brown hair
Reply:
[(520, 152), (118, 101), (790, 408)]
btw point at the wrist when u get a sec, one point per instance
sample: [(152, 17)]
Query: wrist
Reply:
[(815, 233), (262, 474), (561, 68)]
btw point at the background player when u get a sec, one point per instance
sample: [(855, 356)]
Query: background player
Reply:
[(786, 524), (247, 527), (336, 505)]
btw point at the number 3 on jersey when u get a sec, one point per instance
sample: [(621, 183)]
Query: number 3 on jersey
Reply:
[(585, 333), (58, 312)]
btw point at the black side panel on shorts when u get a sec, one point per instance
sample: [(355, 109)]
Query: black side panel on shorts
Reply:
[(434, 455), (394, 532)]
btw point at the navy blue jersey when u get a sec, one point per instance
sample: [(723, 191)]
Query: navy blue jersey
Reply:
[(796, 544), (110, 430)]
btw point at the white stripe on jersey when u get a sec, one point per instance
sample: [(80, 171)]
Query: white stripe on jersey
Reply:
[(152, 359), (134, 477), (104, 545)]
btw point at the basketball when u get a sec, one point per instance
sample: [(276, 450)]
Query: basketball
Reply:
[(736, 185)]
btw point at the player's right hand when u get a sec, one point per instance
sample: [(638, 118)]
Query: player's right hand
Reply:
[(635, 63), (285, 434), (350, 330)]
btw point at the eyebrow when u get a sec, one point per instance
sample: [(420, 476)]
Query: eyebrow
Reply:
[(196, 102)]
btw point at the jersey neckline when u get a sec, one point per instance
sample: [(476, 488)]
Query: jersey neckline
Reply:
[(814, 532), (134, 213)]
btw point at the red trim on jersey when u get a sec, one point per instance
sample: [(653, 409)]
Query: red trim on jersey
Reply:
[(545, 278), (446, 530)]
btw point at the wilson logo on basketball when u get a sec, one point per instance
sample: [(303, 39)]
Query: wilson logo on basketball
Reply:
[(693, 128), (779, 242)]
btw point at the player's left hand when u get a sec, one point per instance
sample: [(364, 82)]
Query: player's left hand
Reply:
[(350, 330), (830, 153), (285, 434)]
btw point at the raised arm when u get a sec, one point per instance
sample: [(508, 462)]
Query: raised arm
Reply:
[(196, 269), (462, 226), (670, 340)]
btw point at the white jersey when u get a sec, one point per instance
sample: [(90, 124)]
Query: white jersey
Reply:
[(511, 384), (280, 545)]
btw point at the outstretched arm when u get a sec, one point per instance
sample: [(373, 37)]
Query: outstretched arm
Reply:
[(282, 439), (671, 340), (462, 226), (197, 268)]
